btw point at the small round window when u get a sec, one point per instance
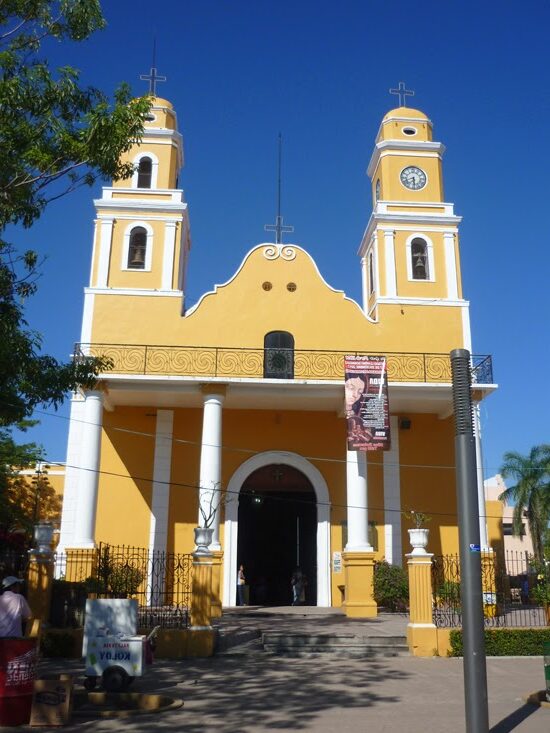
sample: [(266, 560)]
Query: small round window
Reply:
[(150, 117), (291, 287), (267, 285), (409, 130)]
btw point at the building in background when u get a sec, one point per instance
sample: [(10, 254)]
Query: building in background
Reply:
[(243, 392)]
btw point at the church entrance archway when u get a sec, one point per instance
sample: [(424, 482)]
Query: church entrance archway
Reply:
[(308, 479), (277, 534)]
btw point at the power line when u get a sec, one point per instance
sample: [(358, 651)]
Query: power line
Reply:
[(236, 449)]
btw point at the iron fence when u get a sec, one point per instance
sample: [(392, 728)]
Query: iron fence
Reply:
[(513, 588), (159, 581), (13, 561), (206, 361)]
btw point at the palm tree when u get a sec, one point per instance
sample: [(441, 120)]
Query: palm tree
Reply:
[(531, 492)]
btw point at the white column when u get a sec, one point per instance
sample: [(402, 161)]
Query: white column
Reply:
[(72, 474), (393, 549), (483, 538), (450, 265), (391, 275), (211, 463), (168, 255), (160, 500), (88, 480), (356, 477), (365, 289), (105, 238)]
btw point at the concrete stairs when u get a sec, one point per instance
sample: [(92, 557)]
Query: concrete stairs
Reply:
[(342, 645)]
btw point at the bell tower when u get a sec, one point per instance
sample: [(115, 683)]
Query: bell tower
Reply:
[(142, 238), (409, 252)]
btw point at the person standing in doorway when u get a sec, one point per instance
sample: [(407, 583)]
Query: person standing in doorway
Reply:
[(297, 582), (14, 609), (241, 581)]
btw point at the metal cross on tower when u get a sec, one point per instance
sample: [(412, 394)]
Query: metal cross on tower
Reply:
[(278, 227), (403, 93), (153, 77)]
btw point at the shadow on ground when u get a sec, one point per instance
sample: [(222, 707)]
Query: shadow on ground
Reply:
[(241, 693)]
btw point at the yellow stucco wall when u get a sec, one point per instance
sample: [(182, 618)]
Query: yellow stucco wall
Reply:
[(318, 316)]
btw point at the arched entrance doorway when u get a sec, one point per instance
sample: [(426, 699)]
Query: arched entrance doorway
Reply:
[(277, 533), (231, 524)]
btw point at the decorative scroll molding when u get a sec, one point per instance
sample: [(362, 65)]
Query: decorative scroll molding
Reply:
[(272, 252)]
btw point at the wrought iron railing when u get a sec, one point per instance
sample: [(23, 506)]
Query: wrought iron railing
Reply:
[(159, 581), (207, 361), (511, 586)]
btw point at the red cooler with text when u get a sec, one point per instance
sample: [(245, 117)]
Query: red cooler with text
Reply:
[(17, 672)]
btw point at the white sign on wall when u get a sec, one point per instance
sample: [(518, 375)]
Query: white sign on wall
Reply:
[(336, 562)]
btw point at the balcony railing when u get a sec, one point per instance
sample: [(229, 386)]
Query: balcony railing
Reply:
[(207, 361)]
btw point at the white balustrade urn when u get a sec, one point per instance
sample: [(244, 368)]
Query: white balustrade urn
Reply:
[(203, 540), (418, 538), (43, 535)]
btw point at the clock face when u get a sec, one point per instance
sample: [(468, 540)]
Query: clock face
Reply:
[(413, 178), (377, 190)]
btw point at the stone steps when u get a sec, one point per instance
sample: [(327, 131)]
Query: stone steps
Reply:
[(341, 645)]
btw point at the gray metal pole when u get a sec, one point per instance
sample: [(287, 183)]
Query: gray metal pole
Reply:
[(475, 670)]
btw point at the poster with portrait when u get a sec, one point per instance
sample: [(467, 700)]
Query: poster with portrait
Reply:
[(366, 403)]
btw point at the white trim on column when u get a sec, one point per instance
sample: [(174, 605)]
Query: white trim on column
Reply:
[(323, 520), (87, 318), (483, 535), (158, 528), (88, 475), (106, 238), (466, 330), (450, 265), (392, 499), (70, 488), (148, 247), (364, 286), (160, 499), (154, 170), (168, 255), (389, 254)]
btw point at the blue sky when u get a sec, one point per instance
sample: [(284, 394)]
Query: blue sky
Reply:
[(241, 71)]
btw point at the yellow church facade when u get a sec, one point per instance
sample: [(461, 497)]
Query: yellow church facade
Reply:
[(230, 411)]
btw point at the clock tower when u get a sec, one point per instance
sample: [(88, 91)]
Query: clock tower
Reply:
[(409, 251)]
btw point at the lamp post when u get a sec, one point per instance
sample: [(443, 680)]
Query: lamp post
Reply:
[(475, 670)]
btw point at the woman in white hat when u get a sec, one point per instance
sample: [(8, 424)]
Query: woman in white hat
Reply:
[(13, 607)]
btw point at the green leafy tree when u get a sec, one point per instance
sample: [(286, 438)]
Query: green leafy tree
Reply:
[(54, 136), (530, 493)]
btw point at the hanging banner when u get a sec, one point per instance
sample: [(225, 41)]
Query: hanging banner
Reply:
[(367, 407)]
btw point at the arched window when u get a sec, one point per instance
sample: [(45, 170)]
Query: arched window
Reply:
[(137, 249), (419, 260), (279, 355), (145, 173)]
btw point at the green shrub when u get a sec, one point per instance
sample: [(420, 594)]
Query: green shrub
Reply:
[(505, 642), (391, 586), (124, 580)]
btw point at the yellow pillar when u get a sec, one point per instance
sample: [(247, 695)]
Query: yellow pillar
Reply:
[(421, 631), (39, 584), (201, 591), (216, 600), (488, 584), (359, 573), (201, 633)]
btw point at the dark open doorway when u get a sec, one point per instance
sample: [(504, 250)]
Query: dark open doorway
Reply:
[(277, 532)]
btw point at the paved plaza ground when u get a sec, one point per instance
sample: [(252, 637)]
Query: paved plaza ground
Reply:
[(247, 690)]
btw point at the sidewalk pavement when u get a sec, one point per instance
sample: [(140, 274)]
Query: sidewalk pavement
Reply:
[(257, 693)]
